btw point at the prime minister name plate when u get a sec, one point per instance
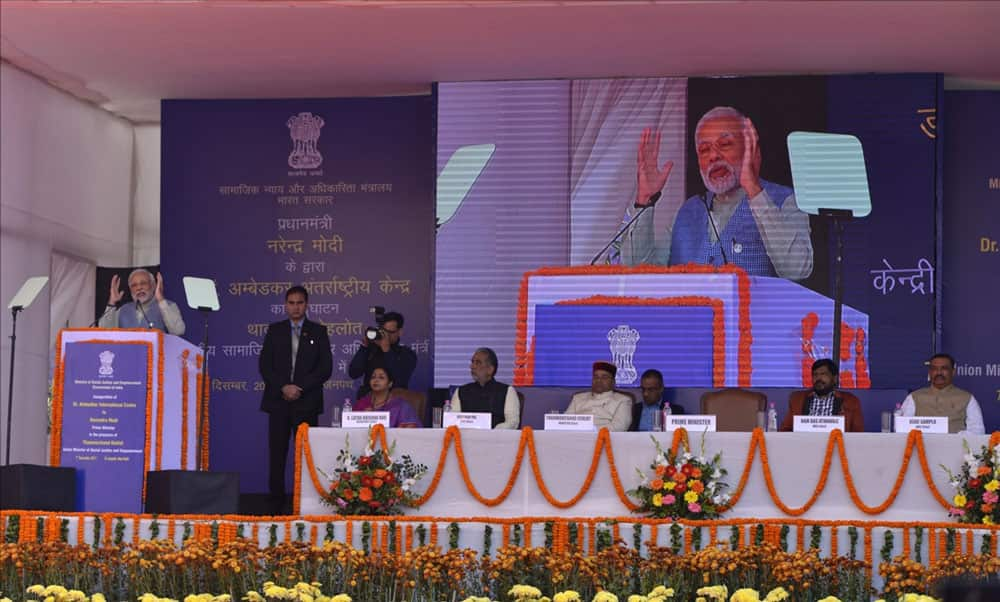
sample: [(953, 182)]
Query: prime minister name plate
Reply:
[(691, 422), (569, 422), (363, 420), (468, 420), (927, 424), (817, 424)]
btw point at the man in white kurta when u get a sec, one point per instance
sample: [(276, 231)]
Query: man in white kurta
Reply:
[(609, 408)]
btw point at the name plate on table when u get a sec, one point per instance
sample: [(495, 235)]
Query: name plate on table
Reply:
[(363, 420), (468, 420), (569, 422), (927, 424), (817, 424), (691, 422)]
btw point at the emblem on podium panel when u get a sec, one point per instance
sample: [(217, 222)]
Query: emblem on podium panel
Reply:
[(622, 342), (106, 358), (304, 129)]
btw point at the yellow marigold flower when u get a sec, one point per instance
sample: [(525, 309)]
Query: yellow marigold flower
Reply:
[(776, 595), (669, 485), (604, 597), (37, 590), (830, 599), (521, 592), (959, 500), (690, 497), (745, 595), (992, 485), (566, 596), (987, 520), (637, 598), (74, 595), (657, 501), (346, 598), (98, 598), (5, 600), (661, 591), (254, 597)]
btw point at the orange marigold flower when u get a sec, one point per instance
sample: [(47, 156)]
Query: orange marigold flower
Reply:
[(661, 470), (983, 470), (696, 472), (365, 494), (696, 486), (986, 508), (376, 483), (680, 477), (656, 484), (380, 473)]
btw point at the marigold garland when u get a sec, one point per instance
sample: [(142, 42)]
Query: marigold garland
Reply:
[(159, 406), (203, 401), (185, 391), (524, 372), (603, 444)]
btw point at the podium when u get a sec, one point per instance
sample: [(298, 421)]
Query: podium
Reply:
[(124, 402), (702, 326)]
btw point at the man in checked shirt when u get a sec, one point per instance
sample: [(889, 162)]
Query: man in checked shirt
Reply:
[(825, 400)]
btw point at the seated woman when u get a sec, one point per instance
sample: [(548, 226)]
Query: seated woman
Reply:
[(401, 413)]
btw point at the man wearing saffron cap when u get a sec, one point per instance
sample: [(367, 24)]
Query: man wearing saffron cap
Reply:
[(609, 408)]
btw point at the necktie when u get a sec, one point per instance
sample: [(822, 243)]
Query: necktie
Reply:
[(296, 329)]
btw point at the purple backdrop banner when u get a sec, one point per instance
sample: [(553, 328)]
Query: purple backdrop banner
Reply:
[(260, 195), (104, 423), (971, 225)]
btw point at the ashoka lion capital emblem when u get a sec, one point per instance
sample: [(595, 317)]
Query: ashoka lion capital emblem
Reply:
[(107, 358), (304, 129), (622, 341)]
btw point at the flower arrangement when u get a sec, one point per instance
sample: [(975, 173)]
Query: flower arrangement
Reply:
[(373, 483), (682, 485), (977, 487)]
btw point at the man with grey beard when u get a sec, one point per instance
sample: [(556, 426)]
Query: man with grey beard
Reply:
[(742, 220)]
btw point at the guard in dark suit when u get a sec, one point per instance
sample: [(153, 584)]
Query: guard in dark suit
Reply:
[(295, 361)]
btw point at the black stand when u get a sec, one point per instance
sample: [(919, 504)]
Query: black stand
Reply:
[(10, 379), (838, 218), (206, 311)]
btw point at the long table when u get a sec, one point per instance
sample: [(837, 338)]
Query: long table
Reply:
[(564, 459)]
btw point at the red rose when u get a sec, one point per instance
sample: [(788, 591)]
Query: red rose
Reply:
[(671, 471), (390, 478), (364, 460), (366, 481), (969, 505), (973, 483), (374, 503), (345, 477), (686, 469), (680, 488)]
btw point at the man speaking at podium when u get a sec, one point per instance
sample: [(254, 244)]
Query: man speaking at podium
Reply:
[(148, 308), (742, 220)]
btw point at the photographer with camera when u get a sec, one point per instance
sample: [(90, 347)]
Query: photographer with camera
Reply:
[(380, 347)]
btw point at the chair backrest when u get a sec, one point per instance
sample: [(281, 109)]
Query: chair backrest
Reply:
[(734, 409), (415, 398), (520, 414)]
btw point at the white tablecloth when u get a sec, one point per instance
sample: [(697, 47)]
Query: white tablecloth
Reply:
[(796, 461)]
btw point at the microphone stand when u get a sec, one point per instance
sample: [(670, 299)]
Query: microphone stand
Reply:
[(652, 201), (149, 324), (711, 220)]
